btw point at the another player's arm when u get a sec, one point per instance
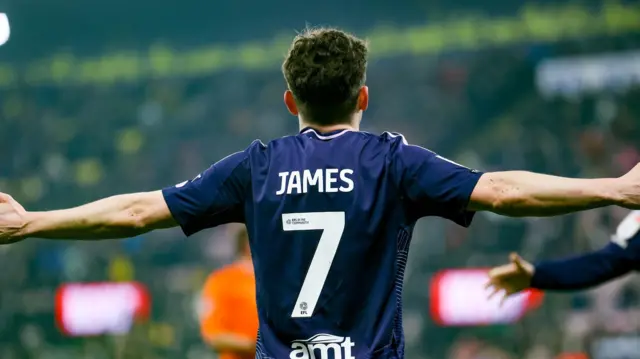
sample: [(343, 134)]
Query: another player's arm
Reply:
[(215, 197), (579, 272), (618, 258), (582, 271)]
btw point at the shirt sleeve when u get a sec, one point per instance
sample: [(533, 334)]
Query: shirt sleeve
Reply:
[(433, 185), (618, 258), (214, 197), (583, 271)]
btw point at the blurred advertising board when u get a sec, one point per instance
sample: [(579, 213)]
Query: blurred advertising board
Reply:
[(90, 309), (459, 298), (573, 76)]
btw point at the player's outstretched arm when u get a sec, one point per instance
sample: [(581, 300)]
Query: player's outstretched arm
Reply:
[(119, 216), (435, 186), (214, 197), (521, 193)]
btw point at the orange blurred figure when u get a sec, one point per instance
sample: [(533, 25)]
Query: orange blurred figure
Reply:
[(230, 320), (572, 356)]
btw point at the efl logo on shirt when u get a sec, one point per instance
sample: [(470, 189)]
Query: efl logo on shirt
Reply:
[(320, 345)]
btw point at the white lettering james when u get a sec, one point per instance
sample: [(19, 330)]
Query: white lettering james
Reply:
[(328, 180)]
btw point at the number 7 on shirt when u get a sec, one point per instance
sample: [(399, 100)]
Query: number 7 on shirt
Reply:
[(332, 226)]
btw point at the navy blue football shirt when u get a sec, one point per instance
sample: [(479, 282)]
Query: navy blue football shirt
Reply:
[(330, 218)]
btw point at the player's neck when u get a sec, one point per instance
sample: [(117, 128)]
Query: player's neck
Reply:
[(325, 129), (329, 128)]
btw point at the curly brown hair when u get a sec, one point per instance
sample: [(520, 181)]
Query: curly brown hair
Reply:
[(325, 69)]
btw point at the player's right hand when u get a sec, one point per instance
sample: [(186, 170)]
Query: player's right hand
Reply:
[(630, 189), (12, 219), (510, 278)]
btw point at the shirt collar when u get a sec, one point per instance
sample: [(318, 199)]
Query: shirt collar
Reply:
[(324, 135)]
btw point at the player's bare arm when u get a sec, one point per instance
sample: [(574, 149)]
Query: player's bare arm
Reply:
[(120, 216), (128, 215), (521, 193)]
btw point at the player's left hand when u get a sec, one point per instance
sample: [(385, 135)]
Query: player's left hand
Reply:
[(12, 219), (510, 278)]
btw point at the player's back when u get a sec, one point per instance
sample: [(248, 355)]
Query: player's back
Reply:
[(329, 217), (330, 220)]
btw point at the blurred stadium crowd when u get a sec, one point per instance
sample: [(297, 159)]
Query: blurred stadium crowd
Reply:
[(64, 145)]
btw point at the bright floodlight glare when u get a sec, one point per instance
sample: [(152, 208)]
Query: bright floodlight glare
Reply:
[(4, 28)]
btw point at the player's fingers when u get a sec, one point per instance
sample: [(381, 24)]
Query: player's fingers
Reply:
[(492, 286), (503, 272), (517, 261), (504, 299), (494, 292), (488, 285)]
